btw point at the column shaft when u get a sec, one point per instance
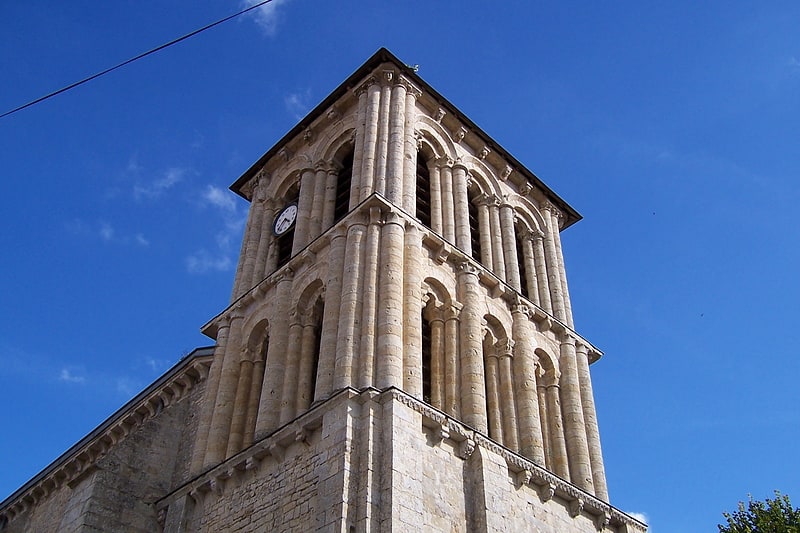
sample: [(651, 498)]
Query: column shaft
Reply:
[(210, 399), (437, 363), (485, 229), (389, 353), (330, 316), (545, 302), (236, 436), (366, 364), (473, 390), (528, 412), (252, 403), (510, 246), (350, 308), (562, 273), (412, 312), (396, 145), (530, 269), (305, 391), (410, 155), (498, 260), (226, 394), (555, 422), (291, 371), (304, 203), (383, 141), (264, 240), (270, 401), (493, 400), (436, 197), (574, 426), (452, 370), (508, 409), (329, 203), (367, 181), (590, 418), (461, 199), (448, 217)]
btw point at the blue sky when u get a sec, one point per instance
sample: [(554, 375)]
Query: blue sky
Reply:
[(671, 127)]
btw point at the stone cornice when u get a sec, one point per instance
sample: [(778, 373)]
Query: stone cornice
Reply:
[(81, 458)]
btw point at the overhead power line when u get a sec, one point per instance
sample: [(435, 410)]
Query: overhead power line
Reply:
[(131, 60)]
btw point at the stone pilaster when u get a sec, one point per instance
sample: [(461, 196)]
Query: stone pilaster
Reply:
[(493, 415), (562, 272), (525, 381), (410, 149), (396, 146), (590, 418), (383, 132), (558, 446), (291, 371), (329, 201), (473, 389), (305, 390), (436, 197), (330, 318), (264, 240), (495, 229), (318, 205), (509, 246), (448, 214), (304, 207), (389, 349), (504, 349), (348, 338), (461, 204), (366, 364), (485, 231), (542, 282), (574, 425), (438, 376), (370, 142), (236, 436), (553, 264), (412, 311), (452, 368), (529, 264), (269, 404)]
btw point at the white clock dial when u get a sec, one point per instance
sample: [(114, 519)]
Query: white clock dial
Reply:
[(285, 220)]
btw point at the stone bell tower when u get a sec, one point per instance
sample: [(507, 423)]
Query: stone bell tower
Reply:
[(398, 353), (401, 295)]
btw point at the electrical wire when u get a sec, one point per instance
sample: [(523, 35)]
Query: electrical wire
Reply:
[(131, 60)]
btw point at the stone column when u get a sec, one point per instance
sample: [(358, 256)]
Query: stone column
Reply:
[(562, 273), (350, 309), (264, 240), (383, 133), (330, 316), (448, 216), (210, 397), (508, 408), (525, 383), (291, 370), (396, 145), (329, 203), (473, 391), (558, 443), (269, 404), (389, 353), (236, 437), (252, 236), (304, 203), (553, 267), (574, 425), (318, 206), (308, 344), (590, 417), (252, 403), (495, 420), (410, 155), (544, 418), (495, 231), (412, 311), (436, 197), (226, 394), (359, 135), (435, 319), (542, 282), (461, 199), (452, 369), (367, 181), (510, 246), (530, 268), (366, 364), (485, 229)]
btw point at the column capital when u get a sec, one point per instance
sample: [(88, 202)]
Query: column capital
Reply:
[(466, 267), (411, 89), (365, 85), (521, 309), (452, 311), (532, 235), (504, 348), (549, 206), (444, 162), (458, 164)]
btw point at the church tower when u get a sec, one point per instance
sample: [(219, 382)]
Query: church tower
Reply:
[(393, 248), (398, 354)]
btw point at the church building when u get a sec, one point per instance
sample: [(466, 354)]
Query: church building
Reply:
[(398, 354)]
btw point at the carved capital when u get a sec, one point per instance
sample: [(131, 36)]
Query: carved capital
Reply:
[(444, 161), (466, 448), (504, 348), (364, 86), (465, 267), (460, 134)]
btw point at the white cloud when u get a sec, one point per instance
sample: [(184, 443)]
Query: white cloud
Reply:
[(68, 377), (155, 189), (141, 240), (641, 517), (202, 261), (265, 16), (106, 231), (794, 63), (297, 104), (219, 198)]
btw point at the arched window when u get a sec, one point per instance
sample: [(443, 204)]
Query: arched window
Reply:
[(427, 353), (343, 182), (523, 271), (423, 191), (474, 227)]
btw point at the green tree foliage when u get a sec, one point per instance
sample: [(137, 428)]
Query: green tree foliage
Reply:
[(770, 516)]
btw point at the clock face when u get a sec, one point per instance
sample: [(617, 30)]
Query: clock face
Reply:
[(285, 220)]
